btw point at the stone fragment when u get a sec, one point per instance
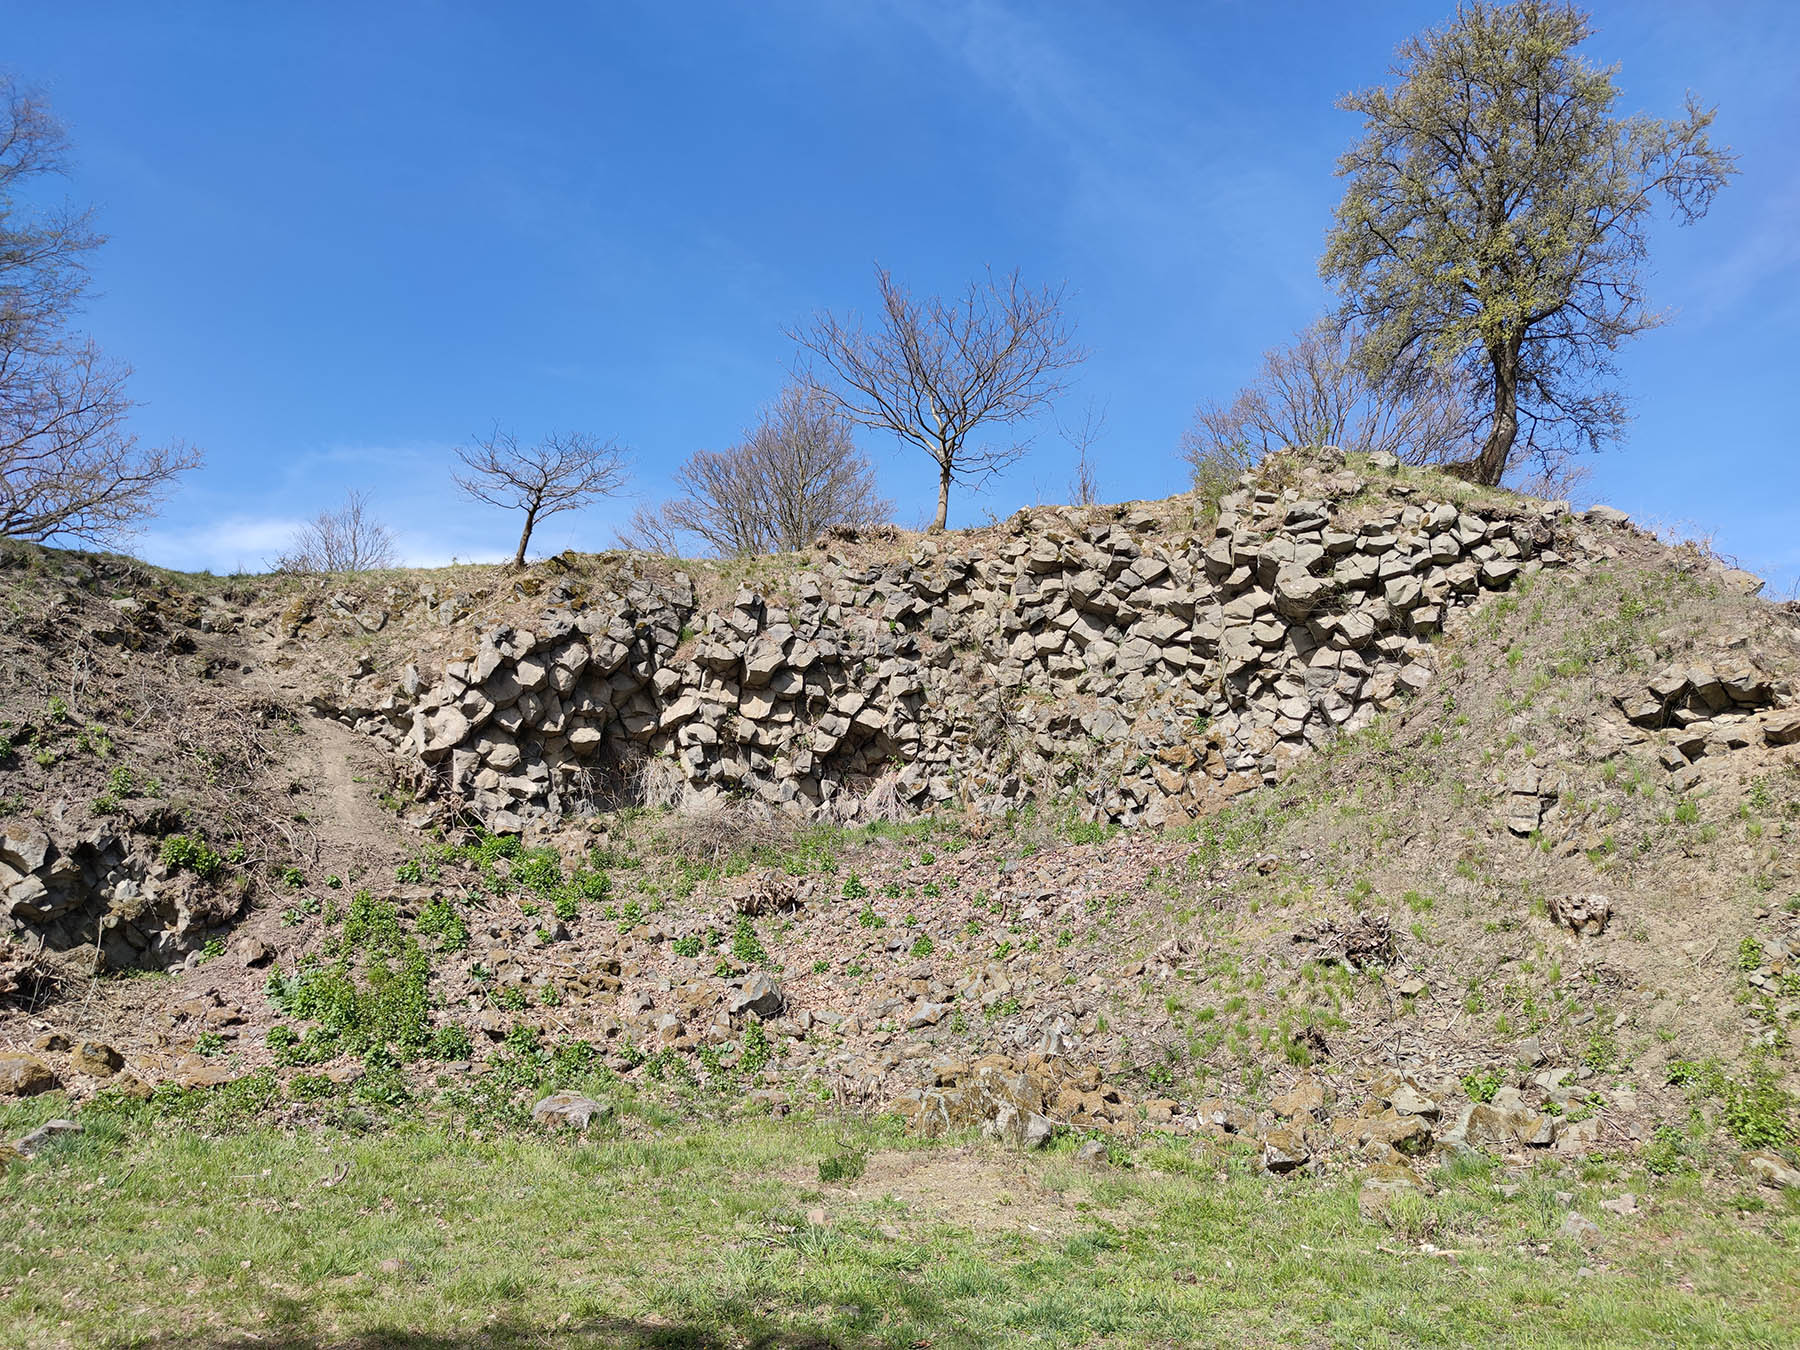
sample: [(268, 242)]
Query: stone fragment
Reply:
[(1408, 1100), (1584, 915), (1771, 1169), (758, 994), (571, 1109), (96, 1059), (23, 1076), (1382, 1184), (194, 1072), (43, 1134), (24, 847), (1578, 1228), (1305, 1098), (1285, 1150), (1092, 1153), (926, 1015), (1782, 728), (1022, 1128)]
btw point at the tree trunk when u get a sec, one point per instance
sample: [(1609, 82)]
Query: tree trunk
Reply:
[(943, 511), (524, 539), (1490, 465)]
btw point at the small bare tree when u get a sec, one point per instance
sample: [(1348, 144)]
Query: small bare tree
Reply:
[(69, 466), (348, 539), (561, 472), (1084, 487), (1314, 392), (935, 371), (797, 472)]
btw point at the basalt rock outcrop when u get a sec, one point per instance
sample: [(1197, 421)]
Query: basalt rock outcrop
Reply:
[(1150, 668)]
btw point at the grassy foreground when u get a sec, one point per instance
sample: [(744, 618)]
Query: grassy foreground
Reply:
[(652, 1233)]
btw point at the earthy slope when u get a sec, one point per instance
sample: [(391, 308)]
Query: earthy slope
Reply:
[(1501, 893)]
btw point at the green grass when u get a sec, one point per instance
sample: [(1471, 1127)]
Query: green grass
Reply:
[(666, 1235)]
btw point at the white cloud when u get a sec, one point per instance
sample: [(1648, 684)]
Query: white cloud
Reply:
[(234, 544)]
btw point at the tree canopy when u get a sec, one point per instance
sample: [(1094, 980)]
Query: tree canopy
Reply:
[(1496, 217)]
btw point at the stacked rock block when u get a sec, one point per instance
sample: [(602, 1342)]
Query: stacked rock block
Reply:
[(1713, 710), (95, 891), (1150, 668)]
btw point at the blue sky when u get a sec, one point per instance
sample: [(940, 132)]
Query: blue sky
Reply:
[(347, 237)]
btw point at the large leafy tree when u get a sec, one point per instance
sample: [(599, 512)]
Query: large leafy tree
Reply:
[(1496, 217)]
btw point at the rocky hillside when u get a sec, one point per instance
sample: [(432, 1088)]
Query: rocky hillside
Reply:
[(1359, 814), (1151, 661)]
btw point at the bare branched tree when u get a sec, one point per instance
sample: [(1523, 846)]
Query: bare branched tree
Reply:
[(1084, 486), (348, 539), (1315, 392), (797, 472), (69, 466), (934, 371), (561, 472)]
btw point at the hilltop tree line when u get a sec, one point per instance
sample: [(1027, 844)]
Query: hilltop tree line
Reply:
[(1487, 259)]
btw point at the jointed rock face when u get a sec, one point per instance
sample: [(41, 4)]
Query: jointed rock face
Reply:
[(1152, 668)]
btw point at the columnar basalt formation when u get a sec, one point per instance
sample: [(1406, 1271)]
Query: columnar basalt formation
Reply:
[(1148, 667)]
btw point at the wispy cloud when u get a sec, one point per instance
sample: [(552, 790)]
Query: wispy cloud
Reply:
[(235, 544), (1762, 266), (1149, 171)]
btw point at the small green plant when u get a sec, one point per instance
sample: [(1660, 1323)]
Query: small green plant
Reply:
[(311, 1087), (1666, 1152), (1749, 954), (1602, 1052), (184, 853), (854, 888), (293, 878), (846, 1165), (451, 1043), (440, 920), (757, 1051), (686, 946), (922, 946), (870, 919), (410, 872), (746, 946), (209, 1043), (1481, 1087), (212, 949)]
